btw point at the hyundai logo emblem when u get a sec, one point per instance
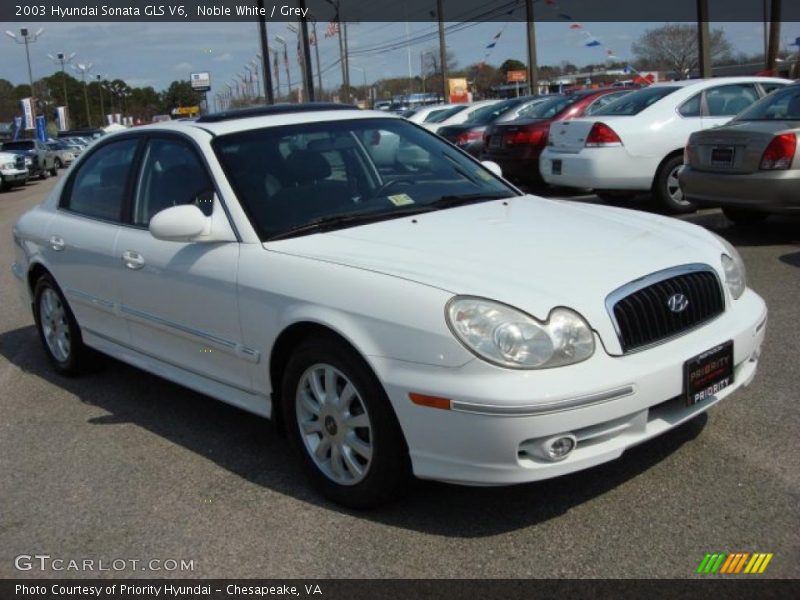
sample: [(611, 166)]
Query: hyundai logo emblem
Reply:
[(677, 303)]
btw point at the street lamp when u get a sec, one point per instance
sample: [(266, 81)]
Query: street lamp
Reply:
[(100, 81), (63, 60), (84, 69), (27, 38), (277, 71), (282, 42)]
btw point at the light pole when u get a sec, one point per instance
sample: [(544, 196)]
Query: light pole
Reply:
[(63, 60), (282, 42), (27, 38), (254, 62), (277, 72), (84, 69), (316, 51), (100, 82)]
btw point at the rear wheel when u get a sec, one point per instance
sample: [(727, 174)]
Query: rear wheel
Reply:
[(58, 328), (340, 421), (742, 216), (667, 190)]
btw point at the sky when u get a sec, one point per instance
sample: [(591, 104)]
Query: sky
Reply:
[(154, 54)]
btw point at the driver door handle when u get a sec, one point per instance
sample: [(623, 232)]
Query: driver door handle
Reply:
[(56, 243), (132, 259)]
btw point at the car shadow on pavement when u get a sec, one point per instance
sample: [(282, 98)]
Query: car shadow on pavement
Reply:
[(251, 448)]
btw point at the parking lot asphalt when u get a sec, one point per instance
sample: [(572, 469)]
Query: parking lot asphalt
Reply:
[(119, 464)]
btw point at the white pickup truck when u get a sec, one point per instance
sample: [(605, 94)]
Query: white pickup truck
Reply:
[(12, 170)]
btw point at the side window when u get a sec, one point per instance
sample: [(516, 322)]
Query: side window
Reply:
[(98, 188), (768, 88), (730, 100), (691, 108), (171, 175)]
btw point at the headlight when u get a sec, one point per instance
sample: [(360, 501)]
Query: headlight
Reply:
[(507, 337), (733, 266), (8, 166)]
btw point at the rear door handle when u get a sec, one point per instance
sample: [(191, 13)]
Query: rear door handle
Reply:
[(56, 243), (132, 259)]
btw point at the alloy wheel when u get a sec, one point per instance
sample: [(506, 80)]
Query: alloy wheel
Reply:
[(54, 325)]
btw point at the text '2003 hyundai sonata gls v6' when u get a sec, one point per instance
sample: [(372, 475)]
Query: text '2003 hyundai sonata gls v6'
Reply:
[(398, 307)]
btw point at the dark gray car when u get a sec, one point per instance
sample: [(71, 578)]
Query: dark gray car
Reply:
[(750, 166)]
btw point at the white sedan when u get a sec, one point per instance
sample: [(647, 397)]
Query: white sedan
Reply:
[(457, 117), (399, 310), (636, 143)]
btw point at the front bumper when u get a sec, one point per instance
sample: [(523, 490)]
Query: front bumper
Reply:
[(502, 414), (600, 169), (15, 176), (767, 191)]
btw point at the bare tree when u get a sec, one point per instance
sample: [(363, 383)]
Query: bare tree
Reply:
[(673, 47)]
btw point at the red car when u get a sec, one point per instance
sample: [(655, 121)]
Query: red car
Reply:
[(516, 145)]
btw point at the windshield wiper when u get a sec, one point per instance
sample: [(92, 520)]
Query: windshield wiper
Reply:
[(331, 222), (453, 200)]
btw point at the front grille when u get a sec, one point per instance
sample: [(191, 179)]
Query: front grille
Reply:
[(642, 313), (19, 162)]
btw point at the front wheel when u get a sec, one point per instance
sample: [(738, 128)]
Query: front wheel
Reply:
[(57, 164), (341, 422), (44, 174), (667, 189), (58, 328)]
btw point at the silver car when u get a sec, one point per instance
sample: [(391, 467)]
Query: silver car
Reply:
[(750, 166)]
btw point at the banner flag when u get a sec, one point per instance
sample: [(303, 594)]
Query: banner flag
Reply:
[(41, 129), (27, 112), (61, 117)]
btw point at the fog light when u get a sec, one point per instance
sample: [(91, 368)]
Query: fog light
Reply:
[(559, 448)]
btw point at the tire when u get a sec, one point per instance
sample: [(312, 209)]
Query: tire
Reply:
[(54, 320), (362, 465), (744, 217), (3, 185), (44, 174), (666, 189), (56, 166)]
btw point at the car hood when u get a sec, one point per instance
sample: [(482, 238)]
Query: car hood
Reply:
[(532, 253)]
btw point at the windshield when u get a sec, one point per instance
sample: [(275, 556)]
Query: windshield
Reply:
[(24, 145), (782, 105), (487, 114), (635, 102), (288, 177), (440, 116), (548, 108)]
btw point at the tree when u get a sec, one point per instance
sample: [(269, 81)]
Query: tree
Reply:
[(512, 64), (673, 47), (180, 93)]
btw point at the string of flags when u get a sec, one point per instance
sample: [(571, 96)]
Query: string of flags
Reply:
[(588, 40)]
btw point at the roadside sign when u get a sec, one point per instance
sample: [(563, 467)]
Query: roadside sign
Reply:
[(518, 75), (201, 82)]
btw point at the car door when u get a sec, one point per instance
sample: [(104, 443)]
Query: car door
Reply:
[(179, 298), (81, 237), (723, 102)]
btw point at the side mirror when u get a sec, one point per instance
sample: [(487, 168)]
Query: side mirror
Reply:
[(180, 223), (492, 166)]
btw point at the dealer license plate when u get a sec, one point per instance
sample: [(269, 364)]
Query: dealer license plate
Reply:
[(556, 168), (707, 374)]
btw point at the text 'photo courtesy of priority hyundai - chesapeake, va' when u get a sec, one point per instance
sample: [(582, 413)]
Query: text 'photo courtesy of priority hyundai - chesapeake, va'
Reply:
[(433, 299)]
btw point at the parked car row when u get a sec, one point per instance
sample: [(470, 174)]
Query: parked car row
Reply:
[(22, 160)]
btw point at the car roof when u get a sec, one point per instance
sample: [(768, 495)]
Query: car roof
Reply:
[(717, 80), (245, 122)]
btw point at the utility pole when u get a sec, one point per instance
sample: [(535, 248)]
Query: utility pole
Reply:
[(703, 39), (533, 79), (774, 34), (316, 51), (264, 44), (442, 51), (306, 53), (277, 73), (100, 87), (282, 41)]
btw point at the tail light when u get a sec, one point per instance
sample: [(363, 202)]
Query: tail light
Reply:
[(780, 152), (602, 135), (525, 136), (466, 137)]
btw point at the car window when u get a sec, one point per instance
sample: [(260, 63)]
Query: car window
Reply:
[(487, 114), (783, 105), (602, 101), (288, 176), (729, 100), (432, 114), (171, 175), (547, 108), (692, 107), (771, 87), (98, 187), (22, 145), (635, 102), (443, 115)]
